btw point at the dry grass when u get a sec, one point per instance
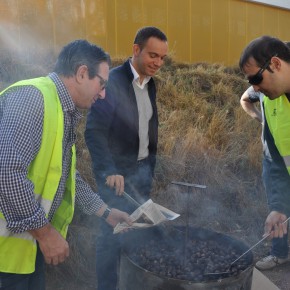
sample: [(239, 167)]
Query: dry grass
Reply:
[(203, 128), (205, 138)]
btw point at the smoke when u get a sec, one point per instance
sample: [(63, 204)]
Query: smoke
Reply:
[(9, 37), (21, 55), (22, 45), (34, 24), (33, 31)]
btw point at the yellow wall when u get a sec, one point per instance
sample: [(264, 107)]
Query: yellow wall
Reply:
[(198, 30)]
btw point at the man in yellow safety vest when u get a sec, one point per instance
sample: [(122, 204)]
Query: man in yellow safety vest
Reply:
[(266, 64), (39, 184)]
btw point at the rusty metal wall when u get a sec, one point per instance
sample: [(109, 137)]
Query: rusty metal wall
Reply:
[(198, 30)]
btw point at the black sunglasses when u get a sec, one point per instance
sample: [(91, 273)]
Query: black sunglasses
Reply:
[(258, 77), (103, 82)]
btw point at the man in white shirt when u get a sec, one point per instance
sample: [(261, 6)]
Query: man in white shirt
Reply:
[(122, 135)]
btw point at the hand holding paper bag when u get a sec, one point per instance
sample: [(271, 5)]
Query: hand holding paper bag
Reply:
[(147, 215)]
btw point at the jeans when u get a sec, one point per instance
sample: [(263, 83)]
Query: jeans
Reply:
[(33, 281), (108, 248), (279, 247)]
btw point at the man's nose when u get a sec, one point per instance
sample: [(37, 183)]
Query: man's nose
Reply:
[(159, 62)]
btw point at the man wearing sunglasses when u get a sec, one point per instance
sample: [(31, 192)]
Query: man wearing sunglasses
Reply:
[(121, 135), (279, 250), (266, 64)]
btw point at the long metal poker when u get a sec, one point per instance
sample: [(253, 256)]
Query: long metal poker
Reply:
[(229, 269), (256, 244), (188, 186), (131, 199)]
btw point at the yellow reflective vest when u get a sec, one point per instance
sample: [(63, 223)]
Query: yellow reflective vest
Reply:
[(277, 113), (18, 251)]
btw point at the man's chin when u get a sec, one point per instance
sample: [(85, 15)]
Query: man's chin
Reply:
[(151, 72), (272, 97)]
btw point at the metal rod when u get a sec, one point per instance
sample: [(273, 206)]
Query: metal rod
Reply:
[(131, 199), (223, 273), (188, 184), (250, 249), (255, 245), (186, 227), (216, 274)]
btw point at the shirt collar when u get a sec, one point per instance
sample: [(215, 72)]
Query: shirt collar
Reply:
[(137, 77)]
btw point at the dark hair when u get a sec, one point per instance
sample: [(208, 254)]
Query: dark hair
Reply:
[(145, 33), (262, 49), (77, 53)]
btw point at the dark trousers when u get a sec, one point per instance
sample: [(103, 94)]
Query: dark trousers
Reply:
[(138, 185), (279, 247), (33, 281)]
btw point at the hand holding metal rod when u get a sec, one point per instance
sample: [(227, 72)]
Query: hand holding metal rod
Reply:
[(228, 271), (265, 237)]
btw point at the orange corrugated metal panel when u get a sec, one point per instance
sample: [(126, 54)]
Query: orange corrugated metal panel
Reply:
[(237, 30), (111, 21), (8, 10), (129, 18), (69, 20), (255, 21), (207, 30), (271, 21), (155, 13), (178, 34), (96, 21), (201, 30), (9, 24), (130, 15), (35, 29), (284, 24), (220, 31)]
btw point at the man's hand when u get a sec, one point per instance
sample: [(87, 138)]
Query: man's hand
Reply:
[(274, 225), (53, 246), (250, 107), (117, 182), (116, 216)]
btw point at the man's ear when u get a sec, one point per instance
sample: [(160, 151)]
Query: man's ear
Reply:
[(276, 63), (81, 73), (136, 49)]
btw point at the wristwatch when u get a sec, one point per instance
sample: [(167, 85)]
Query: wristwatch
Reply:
[(106, 213)]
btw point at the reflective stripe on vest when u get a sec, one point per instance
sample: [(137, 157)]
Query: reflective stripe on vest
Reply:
[(18, 251), (287, 161), (277, 113)]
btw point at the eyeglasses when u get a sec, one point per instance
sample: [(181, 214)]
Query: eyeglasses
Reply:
[(103, 82), (258, 77)]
